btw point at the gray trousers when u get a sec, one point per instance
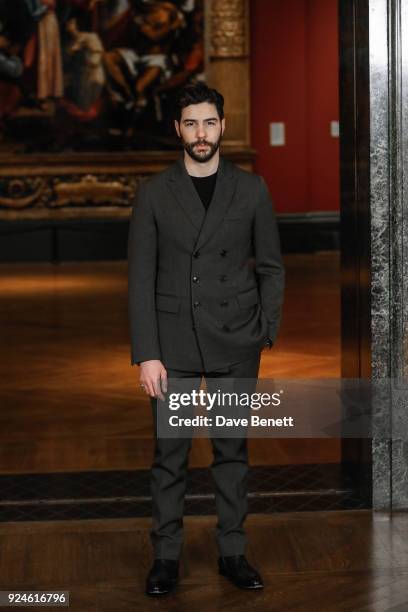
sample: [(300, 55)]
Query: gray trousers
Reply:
[(229, 471)]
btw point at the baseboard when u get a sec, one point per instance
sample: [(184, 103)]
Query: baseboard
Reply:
[(125, 494), (309, 232)]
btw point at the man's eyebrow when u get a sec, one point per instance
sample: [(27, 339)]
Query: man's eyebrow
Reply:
[(195, 120)]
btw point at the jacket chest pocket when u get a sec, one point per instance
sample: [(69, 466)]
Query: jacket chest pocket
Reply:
[(167, 303)]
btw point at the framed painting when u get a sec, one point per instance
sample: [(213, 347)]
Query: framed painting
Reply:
[(86, 94)]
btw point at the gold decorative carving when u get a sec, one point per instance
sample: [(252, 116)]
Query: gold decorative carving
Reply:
[(21, 193), (228, 29), (91, 191)]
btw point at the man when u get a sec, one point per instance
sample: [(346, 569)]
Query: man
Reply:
[(205, 292)]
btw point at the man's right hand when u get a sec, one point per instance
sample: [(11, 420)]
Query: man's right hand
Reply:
[(153, 378)]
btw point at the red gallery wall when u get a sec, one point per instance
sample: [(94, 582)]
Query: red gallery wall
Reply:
[(294, 79)]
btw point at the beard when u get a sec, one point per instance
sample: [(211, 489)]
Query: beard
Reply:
[(201, 156)]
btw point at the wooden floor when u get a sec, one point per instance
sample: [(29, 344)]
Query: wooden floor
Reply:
[(70, 400), (353, 561)]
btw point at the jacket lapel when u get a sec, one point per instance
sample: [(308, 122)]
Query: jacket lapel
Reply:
[(183, 188), (221, 200)]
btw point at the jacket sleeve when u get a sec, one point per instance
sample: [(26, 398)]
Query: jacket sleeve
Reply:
[(268, 260), (142, 266)]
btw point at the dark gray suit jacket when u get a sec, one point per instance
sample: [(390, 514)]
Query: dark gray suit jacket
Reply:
[(205, 289)]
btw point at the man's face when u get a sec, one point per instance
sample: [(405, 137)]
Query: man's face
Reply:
[(200, 130)]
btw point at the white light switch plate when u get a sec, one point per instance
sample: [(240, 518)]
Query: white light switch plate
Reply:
[(334, 129), (277, 134)]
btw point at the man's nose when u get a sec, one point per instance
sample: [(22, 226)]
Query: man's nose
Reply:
[(201, 131)]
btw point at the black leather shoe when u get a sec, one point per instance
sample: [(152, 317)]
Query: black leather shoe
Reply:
[(238, 570), (162, 577)]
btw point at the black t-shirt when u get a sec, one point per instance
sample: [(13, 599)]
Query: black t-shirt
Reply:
[(205, 187)]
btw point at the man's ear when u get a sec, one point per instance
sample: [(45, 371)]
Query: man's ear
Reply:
[(223, 125), (177, 127)]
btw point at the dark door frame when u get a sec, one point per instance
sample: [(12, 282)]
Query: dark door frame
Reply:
[(355, 237)]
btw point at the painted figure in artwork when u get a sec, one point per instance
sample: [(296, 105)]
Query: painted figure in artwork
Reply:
[(146, 60), (91, 76), (50, 82)]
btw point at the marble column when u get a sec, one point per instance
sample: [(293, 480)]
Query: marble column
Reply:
[(388, 72)]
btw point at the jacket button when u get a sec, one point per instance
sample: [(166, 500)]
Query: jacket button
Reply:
[(197, 304), (225, 328), (223, 252), (224, 303), (196, 254), (223, 278), (196, 279)]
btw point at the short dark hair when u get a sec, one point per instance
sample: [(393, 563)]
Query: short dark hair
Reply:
[(196, 93)]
